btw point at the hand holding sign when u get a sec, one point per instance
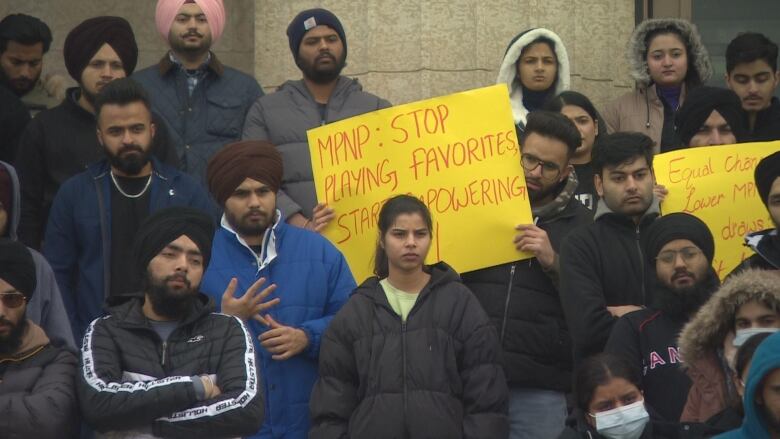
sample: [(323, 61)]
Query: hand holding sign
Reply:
[(457, 153)]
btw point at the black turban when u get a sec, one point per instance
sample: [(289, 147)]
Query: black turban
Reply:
[(165, 226), (255, 159), (678, 226), (700, 103), (83, 42), (767, 171), (17, 266)]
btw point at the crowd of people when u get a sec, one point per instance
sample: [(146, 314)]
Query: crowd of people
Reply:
[(162, 272)]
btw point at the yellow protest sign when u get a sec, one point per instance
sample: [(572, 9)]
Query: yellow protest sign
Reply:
[(716, 184), (457, 153)]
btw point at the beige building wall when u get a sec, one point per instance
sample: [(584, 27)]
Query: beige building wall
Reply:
[(406, 50), (236, 48)]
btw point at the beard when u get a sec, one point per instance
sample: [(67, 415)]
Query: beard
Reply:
[(681, 303), (130, 159), (170, 302), (19, 86), (245, 226), (11, 343), (180, 45), (535, 195), (322, 75)]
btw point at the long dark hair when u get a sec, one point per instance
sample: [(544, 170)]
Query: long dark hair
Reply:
[(393, 207), (597, 371), (578, 100)]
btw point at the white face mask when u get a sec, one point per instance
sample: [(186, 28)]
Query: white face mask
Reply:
[(627, 422), (744, 334)]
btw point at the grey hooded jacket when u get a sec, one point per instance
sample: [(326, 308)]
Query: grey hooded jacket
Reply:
[(283, 117), (45, 307)]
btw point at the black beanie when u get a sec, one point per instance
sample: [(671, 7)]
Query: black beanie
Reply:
[(165, 226), (678, 226), (84, 41), (701, 102), (767, 171), (309, 19), (17, 266)]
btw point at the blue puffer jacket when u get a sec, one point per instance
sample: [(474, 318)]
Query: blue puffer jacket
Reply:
[(201, 124), (313, 282), (78, 234)]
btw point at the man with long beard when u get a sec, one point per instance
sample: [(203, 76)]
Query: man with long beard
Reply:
[(60, 142), (97, 212), (680, 247), (323, 96), (162, 364), (37, 395)]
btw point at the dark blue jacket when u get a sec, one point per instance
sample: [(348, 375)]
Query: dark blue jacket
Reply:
[(201, 124), (313, 282), (78, 234)]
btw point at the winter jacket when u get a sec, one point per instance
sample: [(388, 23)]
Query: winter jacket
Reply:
[(641, 110), (45, 307), (313, 281), (702, 341), (38, 389), (283, 117), (602, 264), (13, 119), (56, 145), (437, 375), (521, 299), (767, 123), (131, 380), (201, 124), (78, 236), (765, 361), (766, 245), (507, 73)]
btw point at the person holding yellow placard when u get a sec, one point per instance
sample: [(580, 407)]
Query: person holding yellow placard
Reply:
[(766, 243), (521, 297), (412, 354)]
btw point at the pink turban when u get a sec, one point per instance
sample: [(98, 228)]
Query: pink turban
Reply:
[(213, 9)]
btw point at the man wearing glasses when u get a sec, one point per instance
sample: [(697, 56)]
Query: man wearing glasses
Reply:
[(37, 393), (521, 297), (604, 273), (680, 247)]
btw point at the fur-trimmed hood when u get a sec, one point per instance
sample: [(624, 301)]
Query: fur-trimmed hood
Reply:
[(507, 73), (698, 57), (715, 319)]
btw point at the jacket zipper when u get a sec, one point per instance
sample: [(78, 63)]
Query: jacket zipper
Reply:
[(506, 303), (641, 266), (164, 351), (403, 357)]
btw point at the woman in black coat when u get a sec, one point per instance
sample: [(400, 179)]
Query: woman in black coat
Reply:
[(412, 354)]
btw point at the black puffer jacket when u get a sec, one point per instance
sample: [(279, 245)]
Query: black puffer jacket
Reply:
[(131, 380), (438, 375), (522, 302), (603, 264)]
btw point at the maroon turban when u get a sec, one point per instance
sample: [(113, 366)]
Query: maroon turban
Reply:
[(255, 159), (83, 42)]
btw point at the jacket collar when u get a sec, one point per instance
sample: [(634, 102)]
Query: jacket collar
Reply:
[(766, 244), (128, 310), (101, 168), (650, 214), (166, 65), (33, 340), (268, 248), (71, 103)]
